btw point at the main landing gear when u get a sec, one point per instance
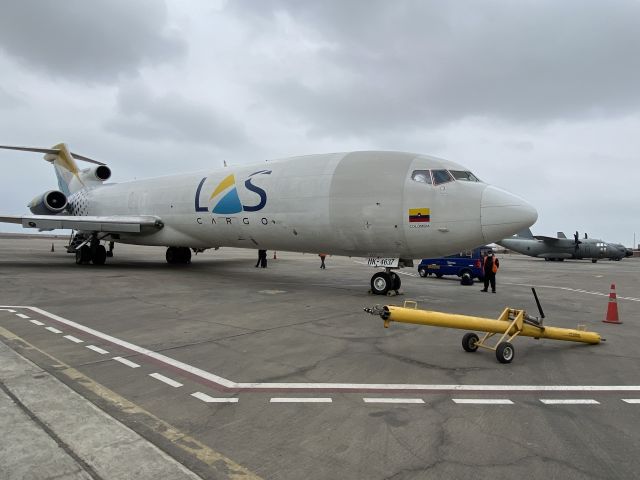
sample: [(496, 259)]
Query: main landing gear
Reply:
[(93, 252), (177, 255), (384, 283)]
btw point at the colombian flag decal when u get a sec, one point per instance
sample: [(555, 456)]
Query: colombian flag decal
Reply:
[(419, 215)]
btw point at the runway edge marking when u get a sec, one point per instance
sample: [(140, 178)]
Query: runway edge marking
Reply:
[(190, 445)]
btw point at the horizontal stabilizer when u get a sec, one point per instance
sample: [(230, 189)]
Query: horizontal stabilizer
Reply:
[(115, 224), (51, 151)]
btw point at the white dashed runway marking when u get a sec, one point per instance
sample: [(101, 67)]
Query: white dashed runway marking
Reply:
[(22, 315), (300, 400), (393, 400), (569, 401), (101, 351), (126, 362), (73, 339), (166, 380), (631, 400), (53, 330), (36, 322), (482, 401)]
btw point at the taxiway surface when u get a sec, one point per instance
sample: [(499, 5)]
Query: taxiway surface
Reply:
[(278, 373)]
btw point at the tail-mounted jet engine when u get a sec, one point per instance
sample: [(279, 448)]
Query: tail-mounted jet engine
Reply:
[(49, 203), (98, 173)]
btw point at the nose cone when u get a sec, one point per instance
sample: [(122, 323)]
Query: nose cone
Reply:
[(503, 214)]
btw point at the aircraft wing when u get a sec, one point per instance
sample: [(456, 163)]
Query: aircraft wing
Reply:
[(548, 239), (115, 224)]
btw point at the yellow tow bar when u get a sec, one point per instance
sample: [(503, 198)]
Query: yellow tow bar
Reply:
[(511, 323)]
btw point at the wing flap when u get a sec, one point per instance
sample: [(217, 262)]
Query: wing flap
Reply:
[(116, 223)]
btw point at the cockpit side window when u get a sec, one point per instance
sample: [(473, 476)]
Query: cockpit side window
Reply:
[(421, 176), (464, 176), (441, 176)]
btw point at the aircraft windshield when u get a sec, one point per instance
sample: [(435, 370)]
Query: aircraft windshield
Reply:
[(464, 176), (422, 176), (441, 176)]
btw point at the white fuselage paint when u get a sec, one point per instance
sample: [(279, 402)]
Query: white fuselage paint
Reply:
[(347, 204)]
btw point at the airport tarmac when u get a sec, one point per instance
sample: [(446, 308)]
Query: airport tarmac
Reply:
[(241, 372)]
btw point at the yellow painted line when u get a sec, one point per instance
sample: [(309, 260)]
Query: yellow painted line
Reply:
[(222, 467)]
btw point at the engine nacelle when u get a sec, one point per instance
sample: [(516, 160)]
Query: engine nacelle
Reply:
[(49, 203), (99, 173)]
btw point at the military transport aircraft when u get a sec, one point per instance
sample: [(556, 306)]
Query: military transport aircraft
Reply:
[(561, 248), (391, 207)]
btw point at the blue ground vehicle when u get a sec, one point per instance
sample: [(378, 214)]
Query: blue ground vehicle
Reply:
[(467, 262)]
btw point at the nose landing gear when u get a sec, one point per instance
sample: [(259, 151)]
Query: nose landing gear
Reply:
[(385, 283)]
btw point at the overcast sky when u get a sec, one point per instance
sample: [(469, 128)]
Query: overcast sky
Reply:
[(539, 97)]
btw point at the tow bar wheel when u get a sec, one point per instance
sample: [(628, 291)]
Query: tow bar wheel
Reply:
[(505, 352), (469, 342)]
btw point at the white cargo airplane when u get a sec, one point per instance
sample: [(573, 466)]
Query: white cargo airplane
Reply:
[(391, 207)]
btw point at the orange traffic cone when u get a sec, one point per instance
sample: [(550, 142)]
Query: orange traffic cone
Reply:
[(274, 255), (612, 307)]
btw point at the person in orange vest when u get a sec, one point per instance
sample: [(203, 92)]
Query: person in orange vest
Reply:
[(322, 257), (490, 265)]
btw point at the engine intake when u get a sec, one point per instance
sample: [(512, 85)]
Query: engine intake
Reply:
[(49, 203)]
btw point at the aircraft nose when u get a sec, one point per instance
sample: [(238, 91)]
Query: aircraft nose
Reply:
[(503, 214)]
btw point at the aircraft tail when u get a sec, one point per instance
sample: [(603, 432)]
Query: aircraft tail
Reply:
[(526, 233), (64, 164)]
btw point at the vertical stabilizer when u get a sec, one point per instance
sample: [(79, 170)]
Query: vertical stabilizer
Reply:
[(66, 169)]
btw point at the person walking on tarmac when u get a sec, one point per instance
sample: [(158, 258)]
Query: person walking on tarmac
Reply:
[(262, 259), (490, 265), (322, 257)]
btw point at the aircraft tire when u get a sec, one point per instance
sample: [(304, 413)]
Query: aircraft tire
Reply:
[(469, 342), (422, 272), (505, 352), (99, 257), (172, 255), (83, 255), (185, 255), (395, 281), (380, 283), (594, 260)]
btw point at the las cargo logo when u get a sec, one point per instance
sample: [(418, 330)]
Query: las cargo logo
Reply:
[(225, 196), (419, 217)]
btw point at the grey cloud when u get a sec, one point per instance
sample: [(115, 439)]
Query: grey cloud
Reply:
[(8, 101), (395, 64), (93, 41), (171, 117)]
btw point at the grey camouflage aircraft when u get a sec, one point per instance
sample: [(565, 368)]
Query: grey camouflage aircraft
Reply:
[(561, 248)]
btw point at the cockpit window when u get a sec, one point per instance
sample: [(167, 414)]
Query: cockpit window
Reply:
[(422, 176), (464, 176), (441, 176)]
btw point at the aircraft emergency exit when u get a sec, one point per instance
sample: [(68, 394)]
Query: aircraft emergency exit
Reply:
[(391, 207)]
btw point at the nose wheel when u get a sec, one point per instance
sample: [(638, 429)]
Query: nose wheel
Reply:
[(382, 283)]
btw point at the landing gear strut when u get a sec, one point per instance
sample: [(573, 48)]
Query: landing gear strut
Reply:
[(178, 255), (384, 282)]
